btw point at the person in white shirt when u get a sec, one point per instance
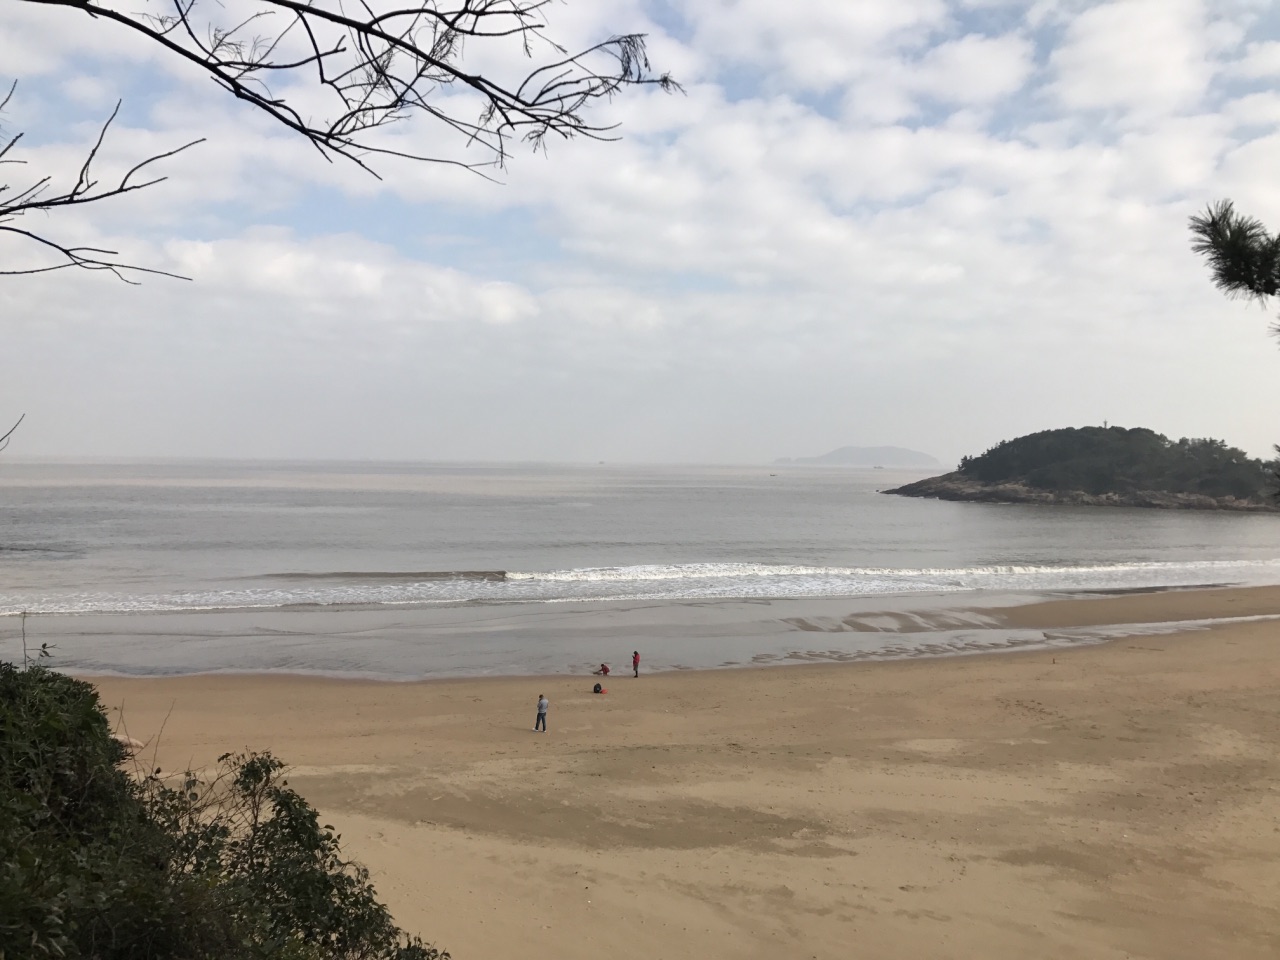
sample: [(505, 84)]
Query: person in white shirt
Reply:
[(541, 722)]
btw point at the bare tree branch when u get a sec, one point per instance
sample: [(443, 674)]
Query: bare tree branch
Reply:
[(37, 196), (382, 66), (377, 61), (4, 440)]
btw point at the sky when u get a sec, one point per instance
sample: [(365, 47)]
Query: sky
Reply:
[(934, 224)]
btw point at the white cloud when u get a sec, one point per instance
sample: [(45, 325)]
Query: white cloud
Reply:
[(1134, 55), (1254, 110), (342, 277), (869, 215), (1261, 60), (975, 69), (815, 48)]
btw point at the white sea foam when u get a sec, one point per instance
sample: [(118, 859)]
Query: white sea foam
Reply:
[(655, 582), (685, 571)]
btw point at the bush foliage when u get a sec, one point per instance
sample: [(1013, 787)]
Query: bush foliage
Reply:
[(1118, 460), (98, 863)]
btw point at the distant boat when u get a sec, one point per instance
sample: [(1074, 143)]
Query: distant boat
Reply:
[(877, 468)]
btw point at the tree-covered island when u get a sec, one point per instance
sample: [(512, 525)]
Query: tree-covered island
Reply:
[(1108, 466)]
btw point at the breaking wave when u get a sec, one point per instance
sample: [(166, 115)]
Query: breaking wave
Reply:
[(653, 582)]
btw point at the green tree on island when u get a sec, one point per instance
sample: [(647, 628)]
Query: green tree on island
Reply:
[(1099, 460)]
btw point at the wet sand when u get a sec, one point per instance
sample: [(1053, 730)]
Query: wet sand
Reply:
[(521, 639), (1105, 801)]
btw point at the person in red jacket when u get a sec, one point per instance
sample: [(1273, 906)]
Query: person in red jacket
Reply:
[(635, 661), (603, 671)]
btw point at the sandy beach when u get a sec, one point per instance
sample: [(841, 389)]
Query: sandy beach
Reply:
[(1106, 801)]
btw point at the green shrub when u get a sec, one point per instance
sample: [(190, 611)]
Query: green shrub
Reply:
[(95, 863)]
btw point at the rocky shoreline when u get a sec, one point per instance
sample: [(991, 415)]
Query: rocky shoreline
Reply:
[(956, 486)]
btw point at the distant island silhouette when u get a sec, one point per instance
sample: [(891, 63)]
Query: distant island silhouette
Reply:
[(1108, 466), (867, 457)]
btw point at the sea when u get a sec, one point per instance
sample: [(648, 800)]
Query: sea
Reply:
[(106, 558)]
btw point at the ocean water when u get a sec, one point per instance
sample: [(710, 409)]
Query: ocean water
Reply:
[(154, 538)]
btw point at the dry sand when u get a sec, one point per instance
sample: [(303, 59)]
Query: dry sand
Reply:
[(1102, 802)]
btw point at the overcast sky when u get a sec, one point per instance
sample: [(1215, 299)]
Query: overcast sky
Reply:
[(930, 223)]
